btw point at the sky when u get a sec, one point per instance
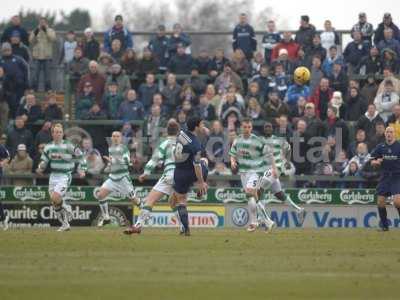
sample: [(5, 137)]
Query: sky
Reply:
[(343, 13)]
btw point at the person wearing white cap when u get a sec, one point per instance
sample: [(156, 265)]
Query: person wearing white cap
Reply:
[(91, 47), (21, 164), (288, 44)]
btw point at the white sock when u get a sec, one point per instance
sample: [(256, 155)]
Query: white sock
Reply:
[(104, 209), (178, 218), (65, 216), (263, 213), (291, 203), (143, 217), (252, 205)]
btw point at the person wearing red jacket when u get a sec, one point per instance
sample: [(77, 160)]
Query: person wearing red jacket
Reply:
[(321, 98), (286, 43)]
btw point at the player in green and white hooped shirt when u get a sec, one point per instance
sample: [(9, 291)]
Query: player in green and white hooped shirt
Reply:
[(118, 179), (248, 156), (163, 155), (60, 155), (281, 152)]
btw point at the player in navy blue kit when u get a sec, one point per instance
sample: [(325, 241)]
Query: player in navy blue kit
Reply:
[(387, 156), (190, 168), (4, 158)]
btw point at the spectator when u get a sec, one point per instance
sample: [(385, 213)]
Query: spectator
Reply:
[(16, 77), (112, 100), (96, 113), (388, 75), (370, 64), (19, 134), (378, 137), (181, 118), (5, 97), (244, 37), (30, 111), (148, 64), (240, 65), (231, 105), (254, 92), (360, 138), (91, 47), (274, 106), (216, 142), (213, 98), (288, 44), (15, 26), (280, 80), (118, 76), (228, 78), (386, 101), (390, 60), (44, 135), (368, 121), (283, 59), (217, 63), (294, 92), (394, 121), (171, 92), (21, 164), (188, 94), (52, 110), (316, 73), (181, 63), (203, 62), (42, 40), (300, 148), (336, 127), (158, 100), (389, 42), (337, 102), (155, 122), (195, 81), (147, 91), (256, 63), (68, 48), (77, 67), (352, 169), (302, 60), (296, 112), (178, 38), (158, 45), (366, 29), (355, 51), (386, 23), (117, 51), (331, 58), (95, 166), (305, 34), (105, 63), (340, 164), (131, 109), (129, 62), (205, 109), (188, 108), (85, 102), (355, 105), (316, 48), (270, 40), (118, 32), (329, 36), (37, 159), (360, 158), (369, 89), (96, 80), (314, 125), (19, 48), (254, 110), (284, 128), (321, 97), (264, 81), (338, 79)]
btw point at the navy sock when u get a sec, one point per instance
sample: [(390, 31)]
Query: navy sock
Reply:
[(2, 214), (398, 210), (183, 214), (383, 216)]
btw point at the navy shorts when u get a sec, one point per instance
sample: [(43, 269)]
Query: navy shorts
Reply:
[(184, 179), (389, 185)]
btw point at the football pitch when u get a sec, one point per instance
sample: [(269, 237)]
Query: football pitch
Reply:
[(89, 263)]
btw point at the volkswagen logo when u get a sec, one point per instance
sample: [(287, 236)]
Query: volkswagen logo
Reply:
[(240, 216)]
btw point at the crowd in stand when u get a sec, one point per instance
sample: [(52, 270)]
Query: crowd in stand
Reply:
[(114, 80)]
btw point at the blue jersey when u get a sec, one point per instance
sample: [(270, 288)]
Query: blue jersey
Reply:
[(390, 155), (187, 151)]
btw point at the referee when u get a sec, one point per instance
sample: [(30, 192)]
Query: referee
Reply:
[(387, 156), (4, 158)]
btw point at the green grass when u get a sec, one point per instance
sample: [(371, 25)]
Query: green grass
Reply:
[(211, 264)]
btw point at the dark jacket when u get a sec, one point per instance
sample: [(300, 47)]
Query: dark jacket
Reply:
[(53, 112), (146, 94), (304, 36), (183, 39), (131, 110), (339, 82), (159, 46), (354, 52), (111, 105), (368, 124), (91, 49), (218, 65), (333, 126), (6, 37), (356, 106), (181, 64), (207, 112), (147, 66), (244, 38), (83, 105), (34, 113), (379, 36), (171, 97), (121, 34), (369, 65), (18, 136), (21, 51), (16, 70)]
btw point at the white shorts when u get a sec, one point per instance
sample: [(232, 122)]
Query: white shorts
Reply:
[(164, 184), (268, 182), (59, 183), (250, 180), (122, 187)]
